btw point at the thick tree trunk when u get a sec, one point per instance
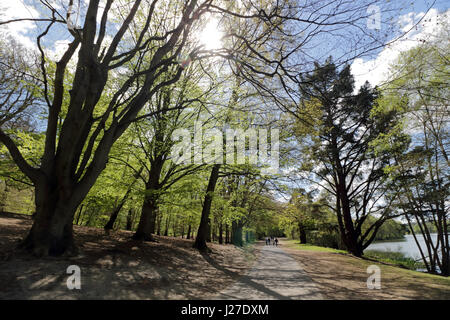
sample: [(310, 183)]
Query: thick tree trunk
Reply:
[(52, 229), (51, 234), (146, 225), (203, 230), (302, 231), (147, 221), (348, 233)]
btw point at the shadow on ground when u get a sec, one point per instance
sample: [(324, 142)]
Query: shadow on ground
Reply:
[(116, 267)]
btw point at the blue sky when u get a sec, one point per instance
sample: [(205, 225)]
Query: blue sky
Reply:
[(33, 8)]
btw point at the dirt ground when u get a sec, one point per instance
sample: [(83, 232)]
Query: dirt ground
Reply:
[(116, 267), (341, 276)]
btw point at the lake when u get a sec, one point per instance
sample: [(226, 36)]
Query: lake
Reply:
[(407, 246)]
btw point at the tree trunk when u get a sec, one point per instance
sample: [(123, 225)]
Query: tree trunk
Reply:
[(213, 232), (147, 221), (79, 214), (189, 232), (203, 230), (112, 219), (221, 233), (445, 250), (302, 231), (227, 234), (4, 197), (129, 225), (348, 234), (158, 231), (166, 231), (175, 227), (115, 213), (208, 236), (146, 226), (52, 229)]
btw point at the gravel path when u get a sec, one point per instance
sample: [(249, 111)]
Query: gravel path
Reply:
[(276, 275)]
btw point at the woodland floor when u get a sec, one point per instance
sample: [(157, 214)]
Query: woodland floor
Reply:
[(116, 267)]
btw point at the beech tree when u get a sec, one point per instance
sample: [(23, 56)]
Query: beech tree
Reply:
[(154, 143), (77, 152), (89, 111)]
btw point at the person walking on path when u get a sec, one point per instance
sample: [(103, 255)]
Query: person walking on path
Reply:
[(276, 242)]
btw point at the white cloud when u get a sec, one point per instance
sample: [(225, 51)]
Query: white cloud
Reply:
[(376, 71), (14, 10), (59, 47)]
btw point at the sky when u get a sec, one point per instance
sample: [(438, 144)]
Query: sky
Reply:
[(373, 68), (376, 70)]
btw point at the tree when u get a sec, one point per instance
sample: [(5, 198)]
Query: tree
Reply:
[(76, 153), (203, 229), (420, 173), (154, 136), (299, 209), (89, 111), (337, 150), (119, 204), (19, 88), (20, 98)]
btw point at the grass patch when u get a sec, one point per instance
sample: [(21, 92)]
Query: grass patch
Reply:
[(295, 244), (341, 275), (396, 258)]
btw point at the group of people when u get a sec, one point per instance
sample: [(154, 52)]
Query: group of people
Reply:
[(271, 240)]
